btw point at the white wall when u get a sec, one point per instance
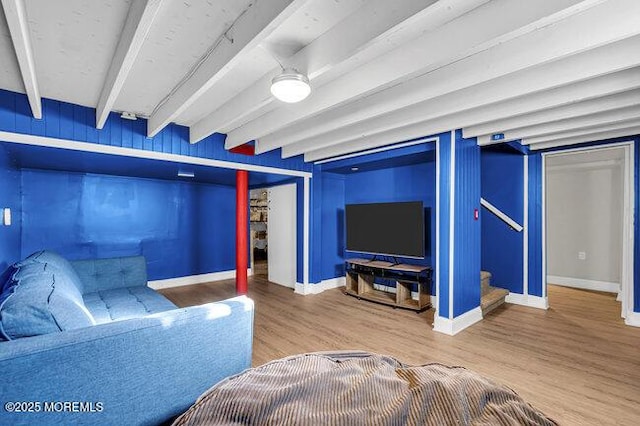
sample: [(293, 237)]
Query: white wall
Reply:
[(584, 214)]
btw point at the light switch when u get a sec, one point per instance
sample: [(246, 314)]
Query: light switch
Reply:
[(6, 216)]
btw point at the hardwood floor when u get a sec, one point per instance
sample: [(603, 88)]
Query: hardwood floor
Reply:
[(576, 362)]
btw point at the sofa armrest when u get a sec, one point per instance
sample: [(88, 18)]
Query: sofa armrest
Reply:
[(139, 371), (107, 274)]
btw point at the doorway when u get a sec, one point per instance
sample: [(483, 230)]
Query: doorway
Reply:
[(258, 229), (273, 224), (588, 220)]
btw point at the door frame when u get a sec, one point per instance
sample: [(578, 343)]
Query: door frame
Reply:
[(627, 269)]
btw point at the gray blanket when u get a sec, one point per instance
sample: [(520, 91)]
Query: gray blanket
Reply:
[(359, 388)]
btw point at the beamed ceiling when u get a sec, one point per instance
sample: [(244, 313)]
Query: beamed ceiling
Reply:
[(543, 73)]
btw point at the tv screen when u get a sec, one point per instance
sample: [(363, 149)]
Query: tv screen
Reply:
[(393, 229)]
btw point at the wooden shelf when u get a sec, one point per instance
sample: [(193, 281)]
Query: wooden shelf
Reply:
[(361, 279)]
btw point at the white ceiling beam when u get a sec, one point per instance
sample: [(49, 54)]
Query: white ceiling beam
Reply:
[(16, 15), (407, 59), (446, 40), (140, 18), (603, 127), (630, 97), (452, 51), (567, 124), (250, 28), (556, 74), (378, 24), (588, 137), (488, 101), (553, 84)]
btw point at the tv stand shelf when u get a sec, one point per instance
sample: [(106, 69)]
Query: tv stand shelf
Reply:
[(361, 275)]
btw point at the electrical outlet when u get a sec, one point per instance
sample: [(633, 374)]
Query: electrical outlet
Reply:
[(582, 255)]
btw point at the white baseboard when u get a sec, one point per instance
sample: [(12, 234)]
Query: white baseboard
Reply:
[(584, 284), (459, 323), (194, 279), (633, 319), (527, 300), (320, 287)]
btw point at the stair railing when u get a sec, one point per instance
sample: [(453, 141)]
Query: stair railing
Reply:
[(501, 215)]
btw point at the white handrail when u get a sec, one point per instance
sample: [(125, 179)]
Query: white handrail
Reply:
[(500, 214)]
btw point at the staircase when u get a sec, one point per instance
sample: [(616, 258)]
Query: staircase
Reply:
[(491, 297)]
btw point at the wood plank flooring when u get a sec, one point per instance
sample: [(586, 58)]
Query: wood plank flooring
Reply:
[(576, 362)]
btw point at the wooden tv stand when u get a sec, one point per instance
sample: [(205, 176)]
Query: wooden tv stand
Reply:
[(361, 274)]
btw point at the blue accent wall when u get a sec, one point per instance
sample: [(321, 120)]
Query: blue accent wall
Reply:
[(535, 224), (502, 247), (636, 225), (443, 154), (415, 182), (74, 122), (332, 218), (459, 252), (9, 197), (181, 228), (299, 229), (466, 255)]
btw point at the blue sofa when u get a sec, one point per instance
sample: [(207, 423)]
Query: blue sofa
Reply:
[(87, 342)]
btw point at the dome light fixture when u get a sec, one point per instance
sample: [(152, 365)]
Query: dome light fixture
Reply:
[(290, 86)]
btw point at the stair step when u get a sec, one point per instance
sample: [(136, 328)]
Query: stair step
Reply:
[(493, 299), (485, 282)]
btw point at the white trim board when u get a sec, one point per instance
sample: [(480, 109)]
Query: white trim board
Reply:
[(452, 217), (457, 324), (318, 288), (501, 215), (525, 226), (437, 272), (25, 139), (527, 300), (194, 279), (584, 284), (633, 319)]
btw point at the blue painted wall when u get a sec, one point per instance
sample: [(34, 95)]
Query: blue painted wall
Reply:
[(442, 272), (502, 247), (406, 183), (535, 224), (181, 228), (636, 225), (332, 217), (466, 255), (74, 122), (9, 197)]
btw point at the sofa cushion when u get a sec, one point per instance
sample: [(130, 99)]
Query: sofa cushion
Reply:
[(124, 303), (53, 258), (116, 272), (39, 299)]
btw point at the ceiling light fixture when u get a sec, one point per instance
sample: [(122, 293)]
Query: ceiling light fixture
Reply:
[(290, 86), (182, 173), (128, 116)]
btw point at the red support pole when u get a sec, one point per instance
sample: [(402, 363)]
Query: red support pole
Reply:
[(242, 231)]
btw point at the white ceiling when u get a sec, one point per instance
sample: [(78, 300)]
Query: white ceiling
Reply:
[(544, 73)]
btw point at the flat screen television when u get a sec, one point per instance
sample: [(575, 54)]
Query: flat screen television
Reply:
[(391, 229)]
